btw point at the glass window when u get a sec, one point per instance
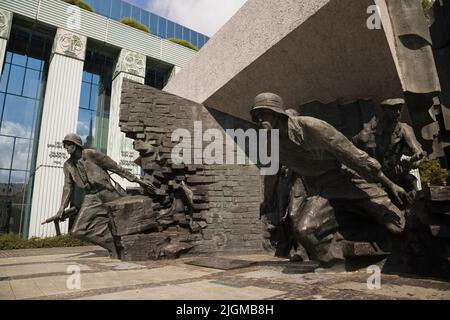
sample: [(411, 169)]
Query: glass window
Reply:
[(104, 8), (18, 116), (93, 116), (115, 9), (19, 60), (145, 18), (178, 31), (201, 41), (22, 154), (194, 38), (186, 34), (154, 23), (162, 25), (35, 64), (7, 146), (170, 29), (136, 13), (126, 10), (32, 84), (16, 77), (5, 77)]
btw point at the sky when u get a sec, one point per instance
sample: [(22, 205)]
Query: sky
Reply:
[(204, 16)]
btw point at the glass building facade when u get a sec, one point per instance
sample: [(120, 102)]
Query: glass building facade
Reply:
[(117, 10), (95, 100), (22, 86)]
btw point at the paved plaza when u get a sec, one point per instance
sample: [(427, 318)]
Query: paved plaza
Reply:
[(46, 274)]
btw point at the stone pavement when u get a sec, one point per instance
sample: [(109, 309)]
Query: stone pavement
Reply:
[(46, 274)]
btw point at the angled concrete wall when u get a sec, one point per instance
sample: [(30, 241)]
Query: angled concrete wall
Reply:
[(302, 50)]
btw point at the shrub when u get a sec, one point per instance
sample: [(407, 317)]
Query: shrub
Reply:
[(184, 43), (13, 241), (432, 173), (135, 24), (81, 4)]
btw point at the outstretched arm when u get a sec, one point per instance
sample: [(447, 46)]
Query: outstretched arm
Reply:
[(346, 153)]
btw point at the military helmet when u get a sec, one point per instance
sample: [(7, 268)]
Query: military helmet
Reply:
[(74, 138), (267, 101), (390, 103)]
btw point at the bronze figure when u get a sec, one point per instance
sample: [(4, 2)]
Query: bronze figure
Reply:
[(393, 144), (334, 172)]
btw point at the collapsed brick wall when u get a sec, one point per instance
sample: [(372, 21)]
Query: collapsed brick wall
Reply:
[(234, 191)]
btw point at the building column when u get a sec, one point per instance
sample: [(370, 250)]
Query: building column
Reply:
[(130, 65), (59, 117), (6, 18)]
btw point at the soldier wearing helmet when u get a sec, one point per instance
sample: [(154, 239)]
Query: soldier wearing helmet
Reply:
[(392, 143), (332, 168), (88, 170)]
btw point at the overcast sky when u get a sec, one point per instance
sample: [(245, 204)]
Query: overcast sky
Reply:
[(204, 16)]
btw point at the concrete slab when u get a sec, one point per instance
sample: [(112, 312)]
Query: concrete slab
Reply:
[(277, 275), (302, 50), (38, 269), (56, 285), (396, 291), (200, 290), (6, 292)]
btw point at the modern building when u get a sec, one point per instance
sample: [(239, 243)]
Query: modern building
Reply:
[(62, 70)]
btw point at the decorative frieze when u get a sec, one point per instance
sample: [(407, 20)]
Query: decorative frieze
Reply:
[(5, 24), (70, 44), (131, 62)]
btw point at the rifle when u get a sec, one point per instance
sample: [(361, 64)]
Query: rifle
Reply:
[(56, 219)]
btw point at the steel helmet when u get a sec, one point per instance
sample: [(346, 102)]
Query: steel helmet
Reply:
[(74, 138), (268, 101)]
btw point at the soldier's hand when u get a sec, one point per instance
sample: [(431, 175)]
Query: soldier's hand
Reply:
[(146, 185), (400, 195), (60, 214)]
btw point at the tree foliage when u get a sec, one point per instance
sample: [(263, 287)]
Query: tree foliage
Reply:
[(432, 173), (135, 24), (81, 4), (184, 43)]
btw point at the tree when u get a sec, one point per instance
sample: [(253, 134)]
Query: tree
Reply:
[(432, 173)]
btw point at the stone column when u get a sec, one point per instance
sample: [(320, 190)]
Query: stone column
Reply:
[(130, 65), (6, 18), (59, 117)]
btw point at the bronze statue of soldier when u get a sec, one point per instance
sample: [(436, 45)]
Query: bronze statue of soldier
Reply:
[(88, 169), (333, 171), (393, 144)]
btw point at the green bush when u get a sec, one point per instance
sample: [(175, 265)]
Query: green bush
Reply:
[(427, 5), (81, 4), (13, 241), (135, 24), (184, 43), (431, 173)]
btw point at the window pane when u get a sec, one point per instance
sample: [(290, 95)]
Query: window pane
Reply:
[(18, 117), (162, 27), (94, 97), (194, 38), (85, 95), (22, 154), (19, 59), (201, 41), (87, 77), (6, 145), (96, 78), (104, 7), (126, 10), (145, 18), (31, 84), (85, 120), (186, 34), (4, 179), (115, 9), (4, 79), (16, 78), (178, 31), (8, 58), (136, 13), (35, 64), (170, 29), (154, 23)]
